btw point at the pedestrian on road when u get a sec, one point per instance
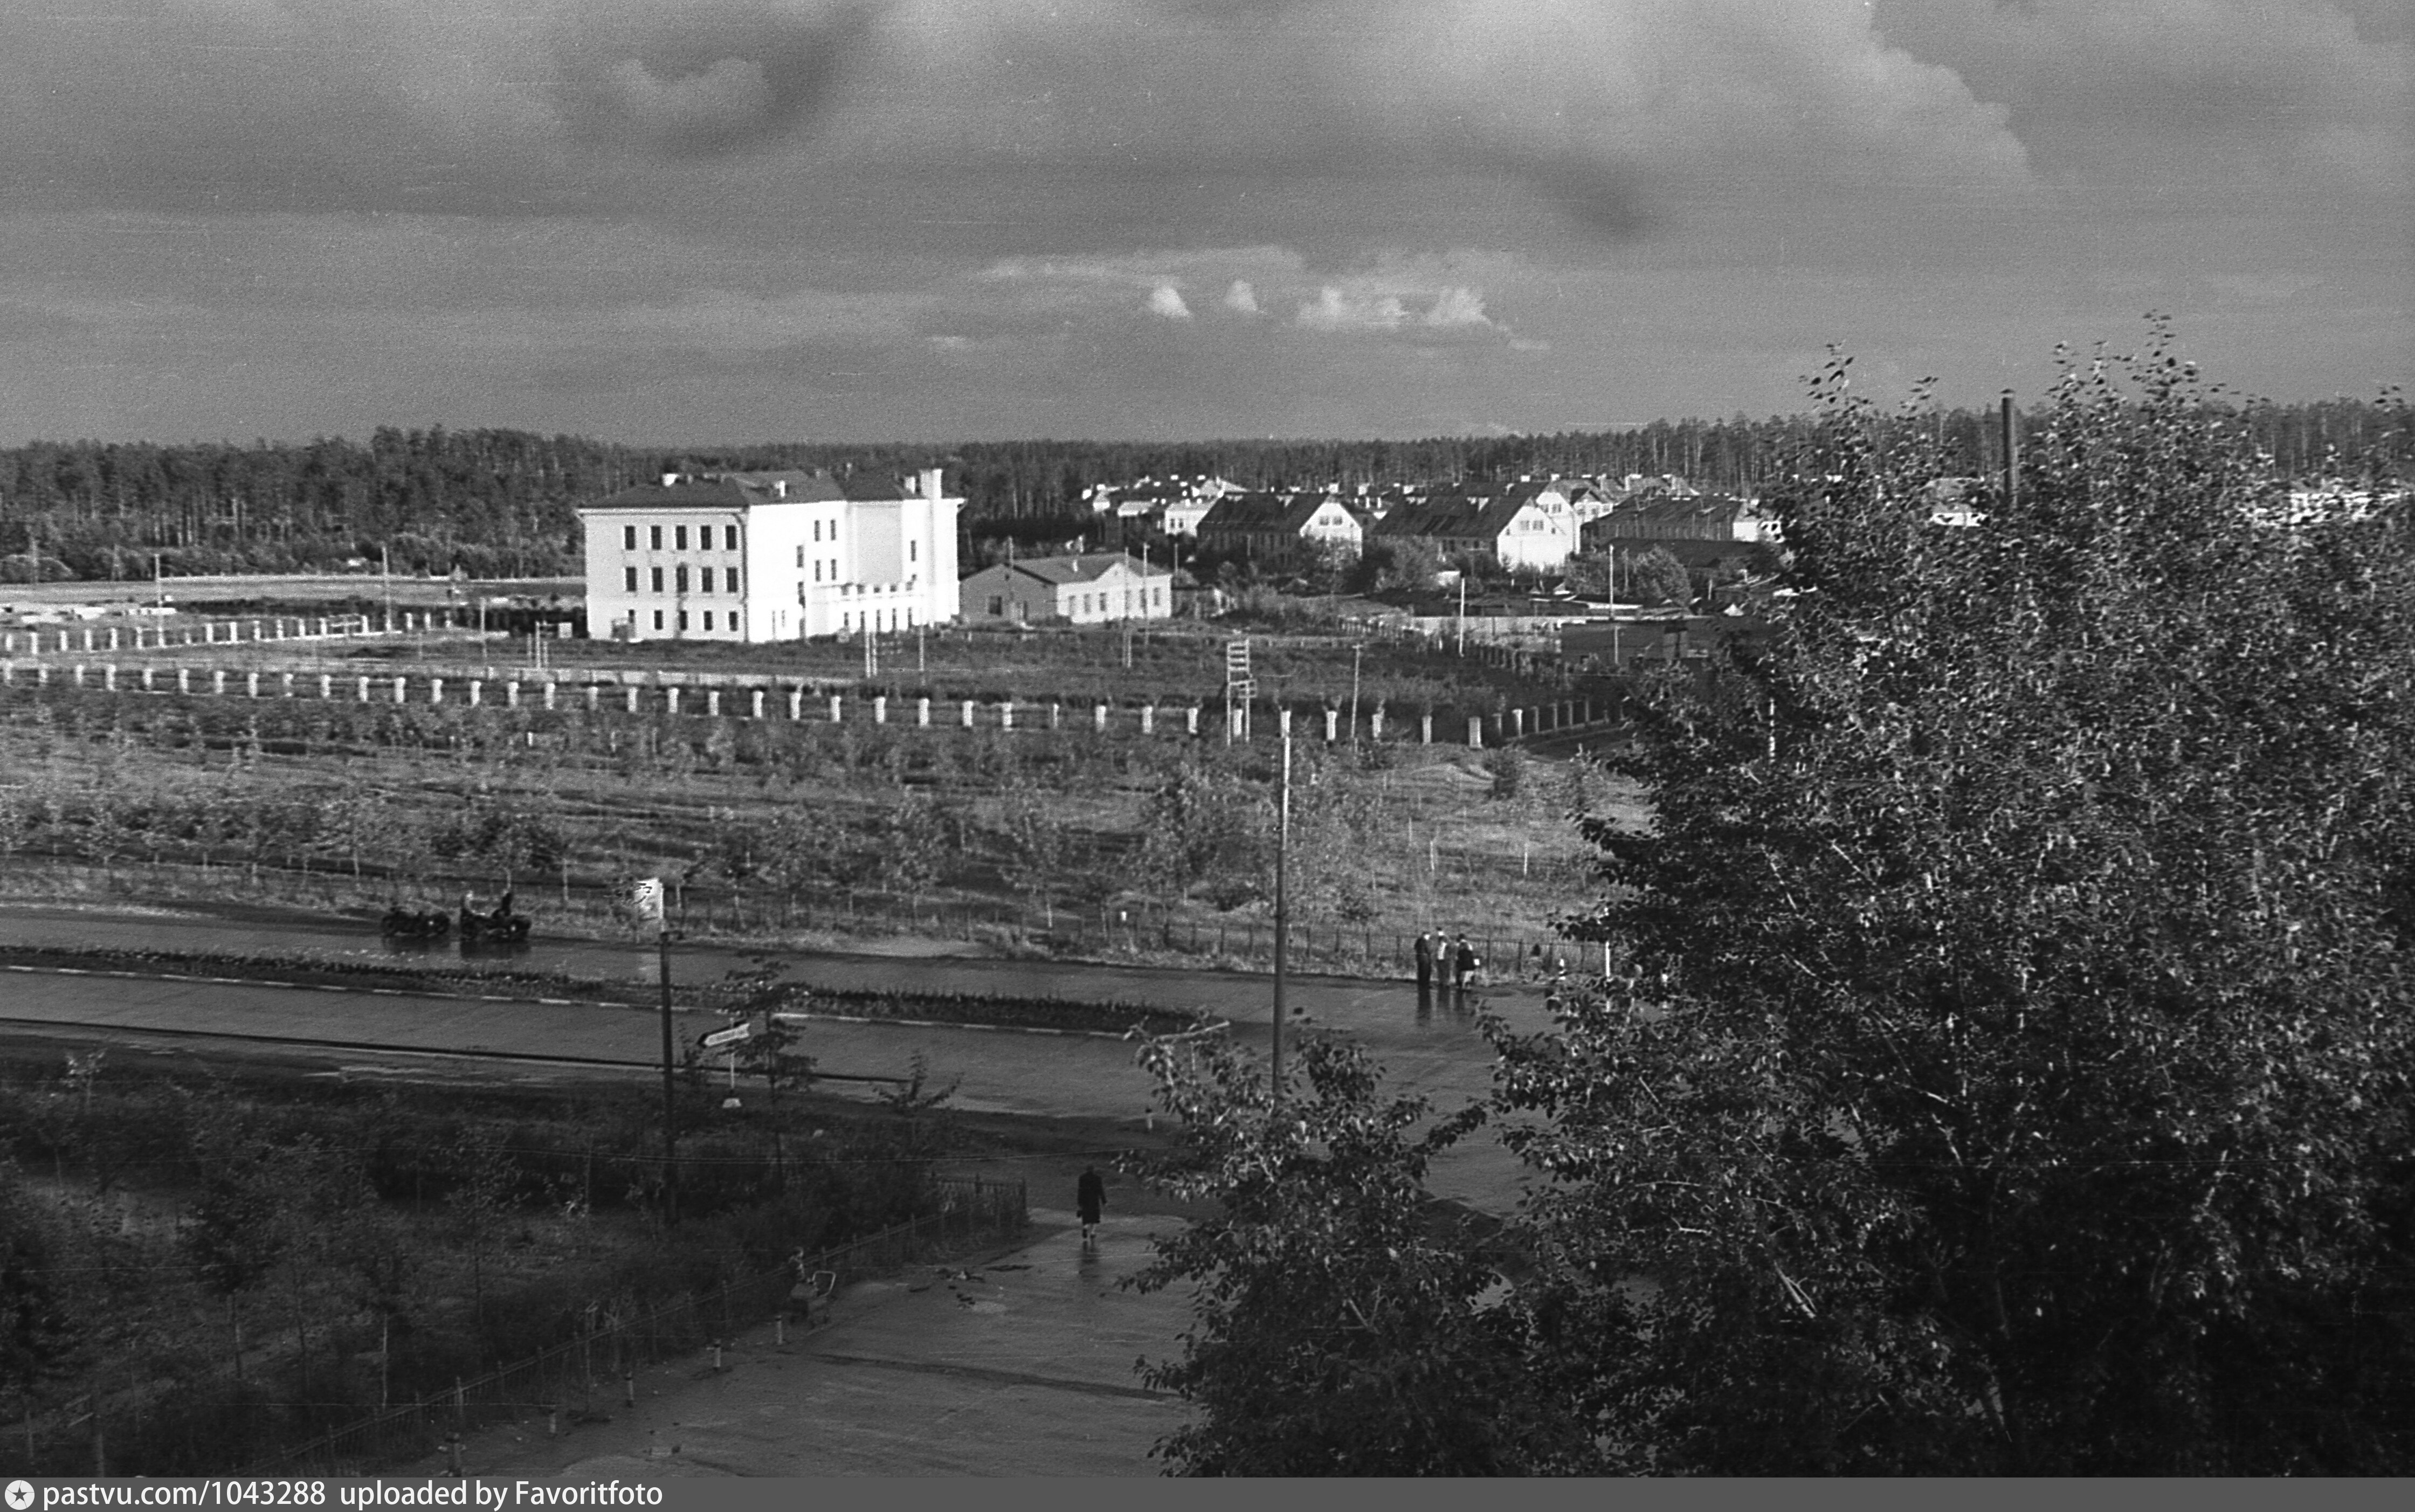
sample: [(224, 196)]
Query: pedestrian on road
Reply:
[(1425, 953), (1462, 964), (1090, 1197)]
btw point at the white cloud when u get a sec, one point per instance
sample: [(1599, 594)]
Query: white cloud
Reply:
[(1166, 300), (1241, 299), (1458, 306), (1334, 310)]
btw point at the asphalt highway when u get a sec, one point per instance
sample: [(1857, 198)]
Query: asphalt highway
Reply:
[(1431, 1047)]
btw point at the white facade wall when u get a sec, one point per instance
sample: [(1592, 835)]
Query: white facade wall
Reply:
[(798, 568), (1536, 538)]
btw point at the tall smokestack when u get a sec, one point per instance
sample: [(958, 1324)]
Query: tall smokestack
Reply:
[(931, 483)]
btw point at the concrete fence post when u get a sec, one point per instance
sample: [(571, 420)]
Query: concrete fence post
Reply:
[(285, 685), (108, 678), (43, 676), (968, 714), (477, 691), (670, 702), (217, 680), (1149, 719), (754, 704), (796, 703), (402, 689), (436, 690), (1375, 724), (1332, 725), (184, 680), (552, 692), (630, 696), (1191, 720), (1476, 731), (838, 712), (362, 690), (327, 687), (713, 702), (1056, 716), (112, 639), (923, 714), (1006, 714), (880, 708), (1517, 723), (251, 684), (79, 674), (146, 679), (511, 692), (1099, 717), (1425, 729)]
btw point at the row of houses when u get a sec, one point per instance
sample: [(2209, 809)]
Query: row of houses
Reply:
[(1532, 525), (793, 554)]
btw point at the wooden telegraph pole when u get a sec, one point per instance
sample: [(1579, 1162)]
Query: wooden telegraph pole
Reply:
[(1282, 899), (2012, 456)]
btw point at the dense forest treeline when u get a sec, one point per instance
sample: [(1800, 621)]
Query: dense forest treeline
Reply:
[(499, 502)]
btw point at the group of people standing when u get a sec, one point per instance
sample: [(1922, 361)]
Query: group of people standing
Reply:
[(1436, 951)]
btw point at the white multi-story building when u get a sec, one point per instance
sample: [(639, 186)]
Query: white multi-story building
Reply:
[(770, 556)]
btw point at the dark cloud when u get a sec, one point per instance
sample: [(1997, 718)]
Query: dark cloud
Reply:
[(710, 83)]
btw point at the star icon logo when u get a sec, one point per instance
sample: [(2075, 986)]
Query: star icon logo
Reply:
[(21, 1495)]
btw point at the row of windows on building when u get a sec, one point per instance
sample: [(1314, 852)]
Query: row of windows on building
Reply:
[(1151, 596), (871, 618), (704, 579), (704, 537)]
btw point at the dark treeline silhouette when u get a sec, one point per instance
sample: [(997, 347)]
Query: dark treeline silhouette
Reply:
[(499, 502)]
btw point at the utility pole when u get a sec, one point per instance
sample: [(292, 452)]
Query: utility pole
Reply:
[(385, 571), (1282, 899), (1355, 652), (2012, 456), (1463, 611), (670, 1092)]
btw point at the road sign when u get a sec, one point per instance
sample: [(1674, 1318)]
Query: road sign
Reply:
[(735, 1034)]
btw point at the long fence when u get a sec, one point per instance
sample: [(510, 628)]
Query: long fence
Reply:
[(688, 695), (572, 1380)]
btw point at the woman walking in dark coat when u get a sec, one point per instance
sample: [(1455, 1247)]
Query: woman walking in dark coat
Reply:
[(1090, 1197)]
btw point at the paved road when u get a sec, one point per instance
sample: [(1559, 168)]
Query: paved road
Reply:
[(1429, 1049)]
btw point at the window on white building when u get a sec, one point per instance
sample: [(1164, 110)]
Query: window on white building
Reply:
[(817, 570), (704, 580), (913, 550), (654, 540), (731, 574), (683, 614), (628, 538), (801, 557), (679, 581), (658, 588), (729, 538), (658, 619), (708, 619), (629, 576), (817, 530), (679, 536)]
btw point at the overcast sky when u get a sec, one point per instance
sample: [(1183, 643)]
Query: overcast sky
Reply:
[(728, 220)]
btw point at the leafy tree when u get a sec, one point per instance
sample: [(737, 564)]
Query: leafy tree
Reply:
[(1658, 580), (1038, 850), (2015, 1072), (1338, 1330)]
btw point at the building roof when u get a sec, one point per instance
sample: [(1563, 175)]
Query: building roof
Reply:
[(739, 490), (1086, 568), (1288, 513)]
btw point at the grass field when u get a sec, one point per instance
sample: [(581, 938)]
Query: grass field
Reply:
[(811, 830)]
